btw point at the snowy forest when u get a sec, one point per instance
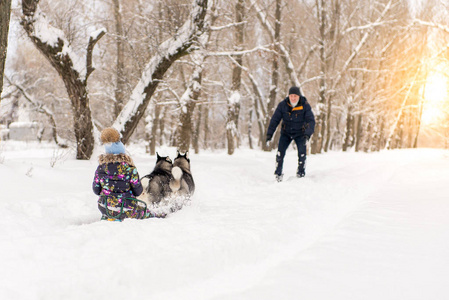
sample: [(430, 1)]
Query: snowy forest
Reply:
[(368, 221), (208, 74)]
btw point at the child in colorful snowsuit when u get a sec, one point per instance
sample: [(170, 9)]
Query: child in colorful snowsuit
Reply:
[(117, 182)]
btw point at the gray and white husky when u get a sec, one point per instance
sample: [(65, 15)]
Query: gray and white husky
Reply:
[(157, 184), (183, 184)]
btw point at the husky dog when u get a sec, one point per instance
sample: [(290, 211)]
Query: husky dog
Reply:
[(156, 185), (183, 182)]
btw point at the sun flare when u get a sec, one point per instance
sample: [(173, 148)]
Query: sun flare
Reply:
[(435, 96)]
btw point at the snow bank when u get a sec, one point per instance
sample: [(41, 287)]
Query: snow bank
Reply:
[(358, 226)]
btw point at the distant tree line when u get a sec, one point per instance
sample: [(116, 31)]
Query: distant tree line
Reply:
[(199, 74)]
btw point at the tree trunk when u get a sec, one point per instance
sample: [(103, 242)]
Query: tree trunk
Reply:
[(349, 129), (368, 137), (328, 126), (192, 93), (206, 126), (256, 100), (162, 116), (320, 128), (154, 129), (120, 63), (185, 129), (376, 137), (275, 69), (196, 132), (358, 138), (260, 119), (250, 129), (379, 137), (5, 12), (235, 97), (334, 34)]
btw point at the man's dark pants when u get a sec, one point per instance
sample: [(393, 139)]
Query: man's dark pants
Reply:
[(284, 142)]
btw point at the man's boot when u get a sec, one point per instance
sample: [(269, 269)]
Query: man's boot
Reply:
[(279, 177)]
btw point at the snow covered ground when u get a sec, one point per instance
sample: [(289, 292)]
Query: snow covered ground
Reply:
[(358, 226)]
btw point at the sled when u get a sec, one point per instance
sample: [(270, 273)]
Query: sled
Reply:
[(121, 211)]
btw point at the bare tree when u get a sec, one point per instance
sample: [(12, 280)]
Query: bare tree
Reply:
[(191, 94), (5, 11), (73, 70), (169, 51), (234, 100), (320, 128), (275, 36), (154, 127), (274, 33), (120, 60)]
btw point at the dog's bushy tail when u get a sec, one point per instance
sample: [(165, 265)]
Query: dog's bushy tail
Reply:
[(175, 184), (144, 196), (177, 173)]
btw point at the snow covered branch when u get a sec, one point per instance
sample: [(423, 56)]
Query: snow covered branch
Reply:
[(242, 52), (169, 51), (54, 45), (369, 26), (433, 25), (217, 28), (94, 38), (51, 42)]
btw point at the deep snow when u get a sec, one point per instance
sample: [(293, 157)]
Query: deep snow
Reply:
[(358, 226)]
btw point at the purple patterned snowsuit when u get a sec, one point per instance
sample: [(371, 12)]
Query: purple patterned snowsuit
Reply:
[(116, 179)]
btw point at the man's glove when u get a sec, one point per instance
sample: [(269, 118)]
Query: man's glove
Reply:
[(306, 139), (267, 143)]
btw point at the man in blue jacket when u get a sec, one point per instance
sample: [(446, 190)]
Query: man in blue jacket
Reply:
[(298, 124)]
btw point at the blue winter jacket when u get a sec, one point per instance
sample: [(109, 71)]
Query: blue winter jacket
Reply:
[(296, 121)]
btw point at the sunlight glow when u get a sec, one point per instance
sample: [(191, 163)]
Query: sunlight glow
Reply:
[(435, 98)]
